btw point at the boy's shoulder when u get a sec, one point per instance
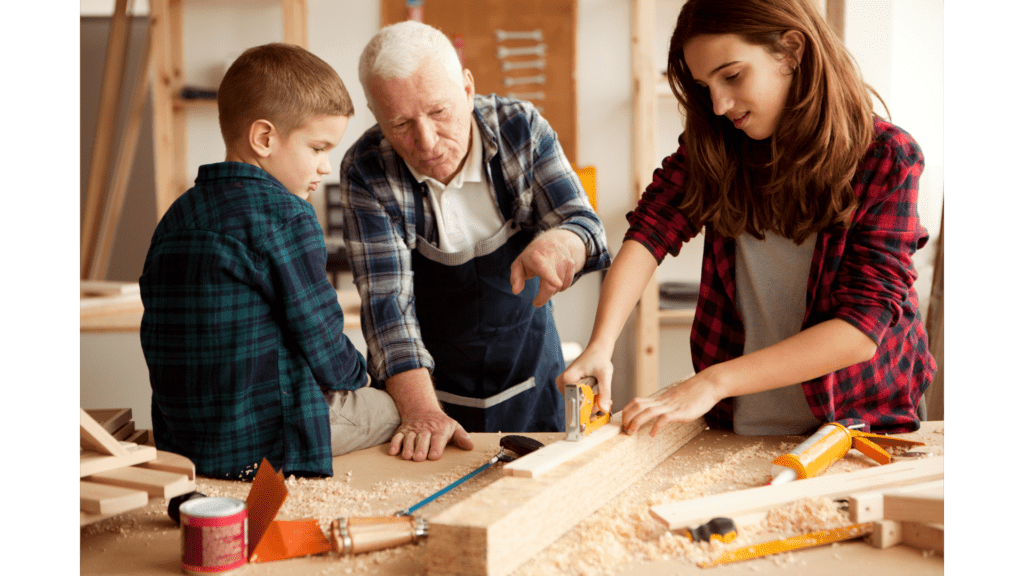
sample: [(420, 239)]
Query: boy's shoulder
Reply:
[(228, 196)]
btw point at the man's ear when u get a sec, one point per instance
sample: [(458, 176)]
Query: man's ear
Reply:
[(794, 41), (261, 137), (467, 83)]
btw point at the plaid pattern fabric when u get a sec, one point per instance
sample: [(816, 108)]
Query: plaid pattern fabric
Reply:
[(863, 274), (241, 329), (380, 224)]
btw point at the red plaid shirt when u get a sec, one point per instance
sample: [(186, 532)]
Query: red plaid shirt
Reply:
[(863, 274)]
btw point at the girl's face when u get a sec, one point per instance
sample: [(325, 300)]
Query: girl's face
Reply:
[(747, 83)]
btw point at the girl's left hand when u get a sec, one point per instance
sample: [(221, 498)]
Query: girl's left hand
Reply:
[(684, 401)]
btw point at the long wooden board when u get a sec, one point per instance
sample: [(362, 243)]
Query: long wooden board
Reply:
[(99, 498), (95, 462), (677, 515), (504, 524), (156, 483)]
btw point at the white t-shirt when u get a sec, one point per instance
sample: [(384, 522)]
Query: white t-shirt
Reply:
[(465, 210)]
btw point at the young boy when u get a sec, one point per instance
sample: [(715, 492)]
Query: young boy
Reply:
[(242, 331)]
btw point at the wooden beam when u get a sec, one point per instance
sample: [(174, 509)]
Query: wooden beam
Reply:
[(925, 507), (293, 14), (106, 128), (94, 462), (95, 438), (556, 454), (100, 261), (693, 512), (645, 160), (111, 418), (171, 462), (99, 498), (504, 524), (870, 506), (156, 483)]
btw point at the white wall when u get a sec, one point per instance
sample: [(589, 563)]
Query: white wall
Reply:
[(898, 44)]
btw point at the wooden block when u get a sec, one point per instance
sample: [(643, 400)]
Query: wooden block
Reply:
[(502, 525), (678, 515), (171, 462), (141, 437), (105, 499), (870, 506), (557, 453), (926, 508), (95, 462), (924, 536), (124, 432), (885, 533), (95, 438), (111, 419), (108, 288), (156, 483)]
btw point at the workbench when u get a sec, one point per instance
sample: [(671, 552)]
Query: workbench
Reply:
[(369, 483)]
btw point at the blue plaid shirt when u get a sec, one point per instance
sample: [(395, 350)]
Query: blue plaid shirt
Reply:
[(242, 329), (380, 219)]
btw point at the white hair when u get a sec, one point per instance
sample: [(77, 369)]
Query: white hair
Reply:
[(398, 50)]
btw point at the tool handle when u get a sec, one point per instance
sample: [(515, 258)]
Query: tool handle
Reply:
[(357, 535)]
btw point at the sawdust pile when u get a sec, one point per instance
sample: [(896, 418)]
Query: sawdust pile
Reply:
[(623, 533)]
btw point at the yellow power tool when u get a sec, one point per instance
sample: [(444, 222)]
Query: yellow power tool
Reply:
[(580, 416)]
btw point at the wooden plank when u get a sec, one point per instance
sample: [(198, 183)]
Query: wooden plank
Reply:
[(923, 536), (293, 14), (124, 432), (104, 246), (99, 498), (108, 305), (111, 418), (108, 287), (885, 533), (678, 515), (918, 507), (94, 462), (106, 128), (156, 483), (171, 462), (870, 506), (557, 453), (95, 438), (502, 525)]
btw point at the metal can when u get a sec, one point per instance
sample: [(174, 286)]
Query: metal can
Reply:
[(214, 535)]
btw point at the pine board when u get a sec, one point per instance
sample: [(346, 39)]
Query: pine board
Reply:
[(509, 521)]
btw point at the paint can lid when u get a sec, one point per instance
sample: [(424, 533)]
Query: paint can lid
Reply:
[(211, 507)]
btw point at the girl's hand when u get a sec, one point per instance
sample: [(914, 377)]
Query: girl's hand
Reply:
[(684, 401), (594, 363)]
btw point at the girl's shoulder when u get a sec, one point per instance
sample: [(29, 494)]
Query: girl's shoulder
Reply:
[(894, 144)]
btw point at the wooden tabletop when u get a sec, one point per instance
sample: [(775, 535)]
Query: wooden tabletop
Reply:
[(369, 483)]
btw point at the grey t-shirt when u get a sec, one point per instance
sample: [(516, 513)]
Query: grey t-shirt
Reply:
[(771, 293)]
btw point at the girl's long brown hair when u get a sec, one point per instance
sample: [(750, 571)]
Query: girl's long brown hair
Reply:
[(799, 181)]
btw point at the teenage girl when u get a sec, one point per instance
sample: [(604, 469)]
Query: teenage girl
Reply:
[(808, 202)]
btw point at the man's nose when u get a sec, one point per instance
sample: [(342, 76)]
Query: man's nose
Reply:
[(426, 135)]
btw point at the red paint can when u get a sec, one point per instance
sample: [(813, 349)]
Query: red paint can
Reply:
[(214, 535)]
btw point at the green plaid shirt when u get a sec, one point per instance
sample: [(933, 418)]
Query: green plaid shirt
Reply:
[(242, 330)]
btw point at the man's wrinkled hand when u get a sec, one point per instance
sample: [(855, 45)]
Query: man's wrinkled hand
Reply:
[(548, 257), (424, 436)]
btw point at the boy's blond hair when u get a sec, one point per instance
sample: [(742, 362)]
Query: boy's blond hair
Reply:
[(281, 83)]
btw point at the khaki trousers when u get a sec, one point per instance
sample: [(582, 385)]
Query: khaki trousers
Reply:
[(361, 419)]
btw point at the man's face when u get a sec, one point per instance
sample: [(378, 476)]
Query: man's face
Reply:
[(426, 117)]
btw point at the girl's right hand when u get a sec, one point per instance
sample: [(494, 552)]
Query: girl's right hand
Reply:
[(591, 363)]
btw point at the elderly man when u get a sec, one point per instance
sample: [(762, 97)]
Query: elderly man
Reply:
[(462, 218)]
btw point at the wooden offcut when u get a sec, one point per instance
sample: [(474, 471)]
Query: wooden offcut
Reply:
[(94, 462), (111, 419), (99, 498), (870, 506), (693, 512), (95, 438), (504, 524), (156, 483), (553, 455)]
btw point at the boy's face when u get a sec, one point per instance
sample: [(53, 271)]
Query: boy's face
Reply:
[(301, 160)]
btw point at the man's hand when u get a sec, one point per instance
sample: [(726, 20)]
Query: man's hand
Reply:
[(555, 257), (425, 428), (424, 436)]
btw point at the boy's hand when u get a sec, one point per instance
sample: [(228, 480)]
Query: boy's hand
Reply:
[(424, 435)]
